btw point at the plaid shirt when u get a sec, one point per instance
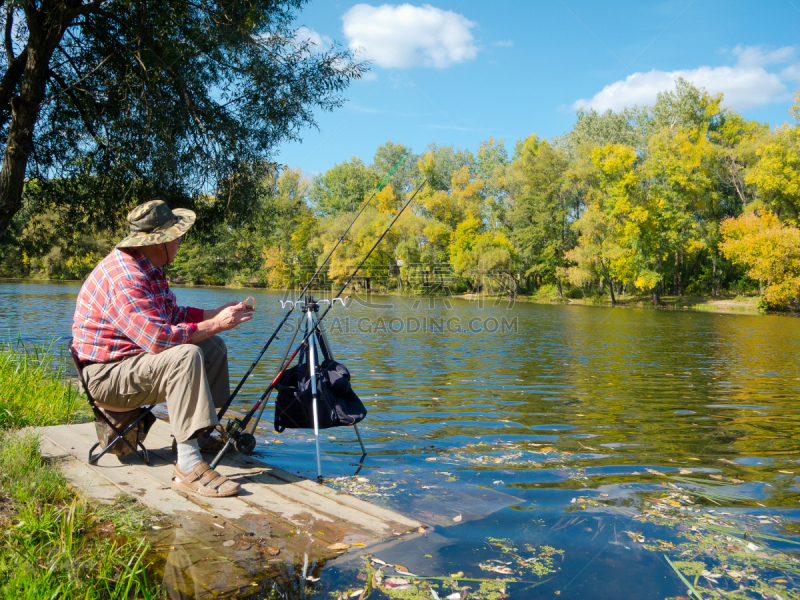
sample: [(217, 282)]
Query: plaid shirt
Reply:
[(125, 307)]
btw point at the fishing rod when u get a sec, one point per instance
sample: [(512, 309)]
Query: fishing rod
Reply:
[(223, 409), (236, 427)]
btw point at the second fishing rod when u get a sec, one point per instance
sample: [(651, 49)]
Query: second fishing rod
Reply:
[(223, 409), (236, 427)]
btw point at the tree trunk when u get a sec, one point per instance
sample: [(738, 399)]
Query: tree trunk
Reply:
[(611, 289), (675, 275), (714, 291), (45, 30), (558, 284), (680, 274)]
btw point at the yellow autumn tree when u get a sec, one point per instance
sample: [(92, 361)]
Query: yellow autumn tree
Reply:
[(770, 252), (481, 257), (614, 224), (679, 184)]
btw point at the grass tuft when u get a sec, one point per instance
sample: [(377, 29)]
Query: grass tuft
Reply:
[(53, 543), (32, 389)]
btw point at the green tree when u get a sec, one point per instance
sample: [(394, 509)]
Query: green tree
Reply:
[(490, 166), (677, 187), (483, 257), (109, 103), (686, 107), (343, 188), (542, 209), (386, 157), (440, 163)]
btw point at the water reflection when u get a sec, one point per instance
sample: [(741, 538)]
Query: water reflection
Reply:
[(483, 424)]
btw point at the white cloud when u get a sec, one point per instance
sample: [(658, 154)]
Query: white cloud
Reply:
[(304, 33), (757, 56), (792, 72), (746, 85), (407, 36), (504, 43)]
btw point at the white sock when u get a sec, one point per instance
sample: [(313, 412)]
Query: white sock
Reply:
[(188, 455)]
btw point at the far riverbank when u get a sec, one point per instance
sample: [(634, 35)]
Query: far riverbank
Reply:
[(738, 304), (734, 304)]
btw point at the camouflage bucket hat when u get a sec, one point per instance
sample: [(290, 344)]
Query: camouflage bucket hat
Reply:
[(154, 223)]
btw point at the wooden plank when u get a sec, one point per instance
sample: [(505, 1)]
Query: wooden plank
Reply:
[(160, 470), (149, 490), (266, 489), (322, 498), (79, 475), (197, 561)]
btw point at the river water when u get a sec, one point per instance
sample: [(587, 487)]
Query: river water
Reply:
[(542, 435)]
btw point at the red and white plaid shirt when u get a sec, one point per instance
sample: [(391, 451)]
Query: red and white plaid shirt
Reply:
[(125, 307)]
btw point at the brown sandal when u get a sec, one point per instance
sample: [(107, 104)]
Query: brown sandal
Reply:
[(204, 481)]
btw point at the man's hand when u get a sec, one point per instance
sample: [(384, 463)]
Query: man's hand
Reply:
[(232, 314), (224, 318), (210, 314)]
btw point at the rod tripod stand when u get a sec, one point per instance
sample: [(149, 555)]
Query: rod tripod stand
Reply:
[(308, 322)]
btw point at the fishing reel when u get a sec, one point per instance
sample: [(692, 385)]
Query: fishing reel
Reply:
[(243, 442)]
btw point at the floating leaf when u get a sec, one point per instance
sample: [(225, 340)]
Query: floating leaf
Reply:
[(338, 546), (269, 550), (241, 543)]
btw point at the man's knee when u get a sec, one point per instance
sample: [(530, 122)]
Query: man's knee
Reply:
[(214, 349), (186, 356)]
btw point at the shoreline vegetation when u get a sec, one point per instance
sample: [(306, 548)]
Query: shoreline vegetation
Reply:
[(683, 198), (53, 542), (727, 303)]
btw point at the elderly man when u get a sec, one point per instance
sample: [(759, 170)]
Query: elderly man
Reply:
[(141, 348)]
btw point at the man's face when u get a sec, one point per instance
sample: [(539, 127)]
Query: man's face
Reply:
[(172, 248), (175, 244)]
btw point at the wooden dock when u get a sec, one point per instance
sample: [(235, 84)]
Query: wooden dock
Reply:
[(219, 546)]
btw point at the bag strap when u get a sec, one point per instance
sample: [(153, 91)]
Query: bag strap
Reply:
[(323, 348)]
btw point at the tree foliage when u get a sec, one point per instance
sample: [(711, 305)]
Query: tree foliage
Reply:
[(769, 250), (107, 103), (682, 197)]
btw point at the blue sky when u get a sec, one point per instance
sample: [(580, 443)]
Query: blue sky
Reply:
[(460, 72)]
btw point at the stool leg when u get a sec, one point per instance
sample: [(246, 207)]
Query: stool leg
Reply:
[(144, 452), (93, 460)]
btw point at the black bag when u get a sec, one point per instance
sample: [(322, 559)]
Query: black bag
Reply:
[(337, 403)]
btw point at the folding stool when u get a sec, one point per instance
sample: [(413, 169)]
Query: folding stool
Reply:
[(100, 416)]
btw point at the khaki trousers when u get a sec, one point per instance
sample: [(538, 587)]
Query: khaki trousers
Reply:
[(192, 379)]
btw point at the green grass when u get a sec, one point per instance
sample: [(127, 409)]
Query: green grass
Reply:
[(33, 391), (53, 543)]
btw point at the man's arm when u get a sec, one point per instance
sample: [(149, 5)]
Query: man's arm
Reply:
[(135, 315)]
